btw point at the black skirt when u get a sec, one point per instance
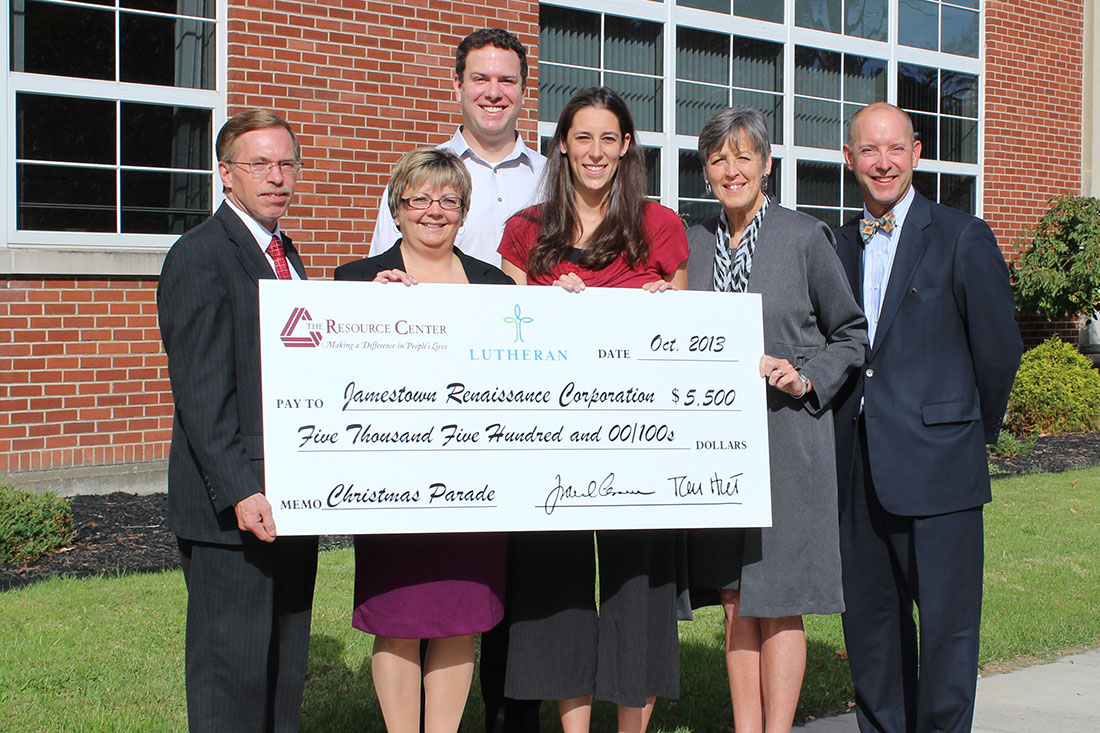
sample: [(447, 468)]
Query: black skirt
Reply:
[(560, 647)]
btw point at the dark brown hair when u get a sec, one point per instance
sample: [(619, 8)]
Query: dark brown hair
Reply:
[(498, 37), (621, 231)]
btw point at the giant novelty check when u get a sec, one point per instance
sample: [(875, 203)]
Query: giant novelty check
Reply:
[(466, 408)]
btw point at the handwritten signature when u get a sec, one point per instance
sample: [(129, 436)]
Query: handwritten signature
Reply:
[(592, 490)]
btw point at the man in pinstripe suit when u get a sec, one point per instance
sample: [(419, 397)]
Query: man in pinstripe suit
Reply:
[(249, 593)]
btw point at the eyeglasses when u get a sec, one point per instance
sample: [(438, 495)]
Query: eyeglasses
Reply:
[(260, 168), (450, 203)]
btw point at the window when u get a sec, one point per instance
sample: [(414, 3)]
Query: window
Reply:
[(862, 18), (113, 122), (950, 26), (828, 191), (579, 49), (829, 88), (760, 9), (71, 176), (944, 108), (695, 56), (715, 70)]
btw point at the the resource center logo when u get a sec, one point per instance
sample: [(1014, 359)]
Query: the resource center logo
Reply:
[(307, 337)]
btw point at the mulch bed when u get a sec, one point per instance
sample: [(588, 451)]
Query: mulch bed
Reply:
[(113, 533), (1052, 454), (125, 533)]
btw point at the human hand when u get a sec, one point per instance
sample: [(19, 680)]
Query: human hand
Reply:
[(570, 281), (782, 375), (254, 515), (659, 286), (395, 276)]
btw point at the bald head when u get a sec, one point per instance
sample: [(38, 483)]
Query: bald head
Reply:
[(875, 110)]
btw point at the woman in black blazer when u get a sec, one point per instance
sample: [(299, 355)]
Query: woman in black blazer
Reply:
[(440, 587)]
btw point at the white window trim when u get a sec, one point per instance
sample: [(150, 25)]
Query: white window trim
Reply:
[(26, 253), (671, 142)]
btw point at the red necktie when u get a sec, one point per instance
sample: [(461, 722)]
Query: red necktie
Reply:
[(275, 249)]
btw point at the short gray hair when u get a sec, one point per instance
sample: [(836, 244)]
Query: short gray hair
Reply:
[(732, 123)]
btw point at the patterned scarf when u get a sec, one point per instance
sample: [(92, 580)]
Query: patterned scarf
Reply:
[(733, 277)]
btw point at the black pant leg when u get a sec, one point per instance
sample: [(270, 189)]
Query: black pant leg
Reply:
[(503, 714), (879, 632), (948, 552), (241, 610), (294, 572)]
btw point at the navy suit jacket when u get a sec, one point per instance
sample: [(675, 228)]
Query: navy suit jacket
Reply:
[(935, 383), (208, 303)]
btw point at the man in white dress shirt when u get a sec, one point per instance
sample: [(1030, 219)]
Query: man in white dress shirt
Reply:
[(249, 591), (490, 81)]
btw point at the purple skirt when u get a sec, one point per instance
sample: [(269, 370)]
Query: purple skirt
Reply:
[(429, 586)]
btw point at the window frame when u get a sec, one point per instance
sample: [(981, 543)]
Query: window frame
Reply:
[(33, 252)]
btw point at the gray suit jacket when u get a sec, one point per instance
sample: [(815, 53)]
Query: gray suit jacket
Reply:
[(810, 316), (208, 301), (812, 320)]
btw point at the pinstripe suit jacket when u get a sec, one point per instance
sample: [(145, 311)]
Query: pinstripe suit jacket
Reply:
[(208, 303)]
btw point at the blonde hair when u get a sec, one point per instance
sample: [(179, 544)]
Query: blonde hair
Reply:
[(433, 166)]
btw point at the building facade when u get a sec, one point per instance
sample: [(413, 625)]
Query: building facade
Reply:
[(112, 111)]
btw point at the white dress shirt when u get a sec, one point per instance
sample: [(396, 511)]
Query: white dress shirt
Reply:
[(263, 238), (499, 190), (878, 261)]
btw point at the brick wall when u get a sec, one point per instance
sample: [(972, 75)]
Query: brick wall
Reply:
[(84, 376), (1033, 109), (1033, 118)]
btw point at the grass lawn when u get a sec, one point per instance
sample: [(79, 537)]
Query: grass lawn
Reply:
[(107, 653)]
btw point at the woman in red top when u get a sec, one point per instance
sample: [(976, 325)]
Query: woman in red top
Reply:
[(596, 228)]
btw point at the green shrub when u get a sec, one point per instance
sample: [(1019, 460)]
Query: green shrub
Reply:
[(32, 524), (1009, 446), (1056, 391), (1058, 271)]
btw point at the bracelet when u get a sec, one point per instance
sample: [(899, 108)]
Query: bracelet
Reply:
[(805, 386)]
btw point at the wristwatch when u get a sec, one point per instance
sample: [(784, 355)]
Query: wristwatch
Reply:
[(805, 386)]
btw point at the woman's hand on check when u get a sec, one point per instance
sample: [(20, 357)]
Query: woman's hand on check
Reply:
[(570, 281), (395, 276)]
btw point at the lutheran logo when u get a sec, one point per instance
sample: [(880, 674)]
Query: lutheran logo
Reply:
[(299, 318), (518, 320), (519, 351)]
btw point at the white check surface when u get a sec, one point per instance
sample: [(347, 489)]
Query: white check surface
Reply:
[(463, 408)]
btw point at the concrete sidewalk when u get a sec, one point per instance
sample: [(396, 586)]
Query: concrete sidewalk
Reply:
[(1060, 697)]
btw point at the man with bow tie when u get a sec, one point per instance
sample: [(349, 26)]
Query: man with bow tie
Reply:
[(912, 425), (249, 592)]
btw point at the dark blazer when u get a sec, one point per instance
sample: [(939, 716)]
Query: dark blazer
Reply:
[(365, 269), (936, 380), (210, 323)]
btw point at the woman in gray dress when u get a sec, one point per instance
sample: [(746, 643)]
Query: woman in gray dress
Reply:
[(814, 335)]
